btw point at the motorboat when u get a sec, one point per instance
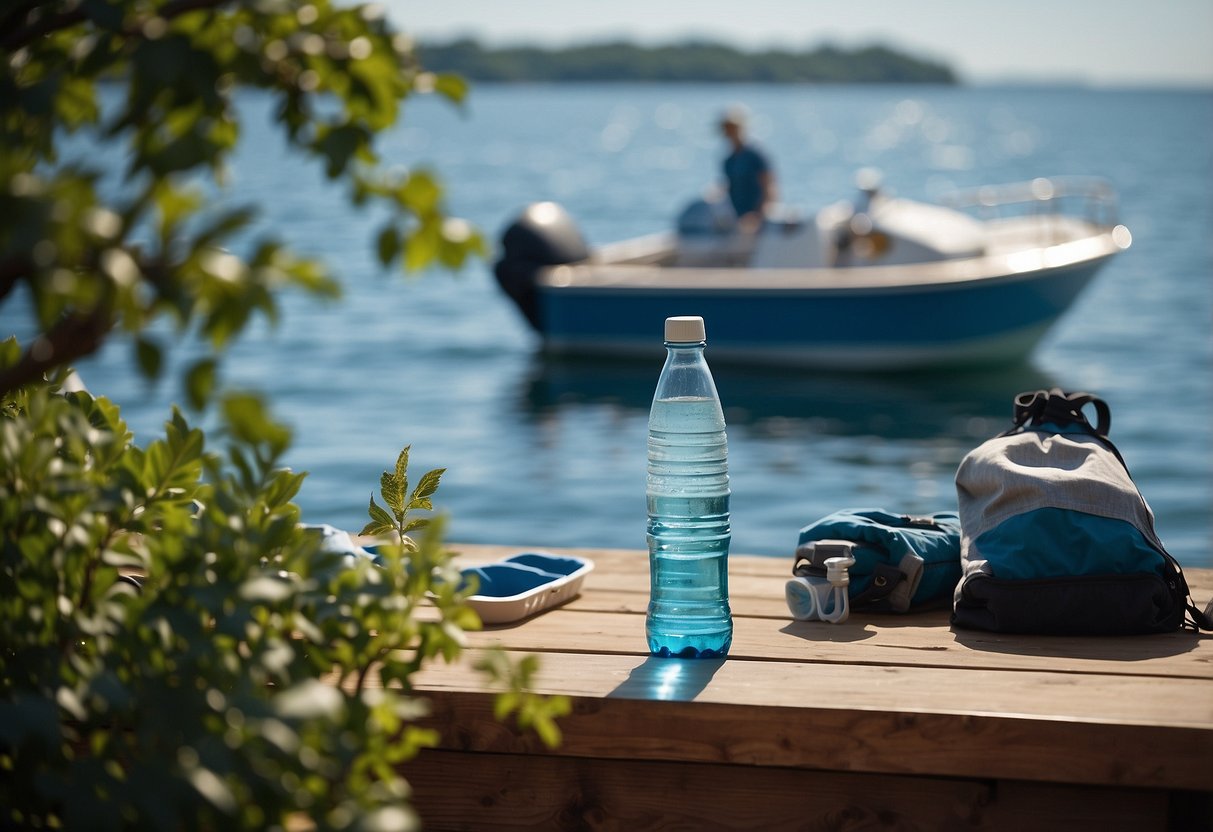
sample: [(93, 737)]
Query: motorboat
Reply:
[(877, 282)]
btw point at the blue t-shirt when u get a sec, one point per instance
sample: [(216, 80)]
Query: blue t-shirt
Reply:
[(743, 168)]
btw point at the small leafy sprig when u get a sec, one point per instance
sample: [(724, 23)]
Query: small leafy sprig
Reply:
[(513, 676), (394, 488)]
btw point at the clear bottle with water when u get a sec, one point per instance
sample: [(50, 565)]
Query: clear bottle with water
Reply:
[(688, 502)]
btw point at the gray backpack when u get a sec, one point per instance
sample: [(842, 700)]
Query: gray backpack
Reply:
[(1056, 537)]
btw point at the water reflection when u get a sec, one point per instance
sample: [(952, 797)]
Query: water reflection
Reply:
[(779, 401)]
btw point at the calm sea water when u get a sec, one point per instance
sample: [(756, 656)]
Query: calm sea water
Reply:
[(552, 453)]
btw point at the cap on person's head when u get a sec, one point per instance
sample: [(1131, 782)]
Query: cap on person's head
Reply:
[(735, 115)]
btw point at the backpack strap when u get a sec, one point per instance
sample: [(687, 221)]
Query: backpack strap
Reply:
[(1057, 407), (1060, 408), (1194, 618), (1202, 620)]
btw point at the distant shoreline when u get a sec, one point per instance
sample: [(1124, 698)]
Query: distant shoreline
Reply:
[(1045, 86), (686, 62)]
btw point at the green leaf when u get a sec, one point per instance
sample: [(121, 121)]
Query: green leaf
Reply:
[(425, 489), (283, 487), (402, 465), (223, 226), (340, 145), (174, 205), (421, 193), (452, 86), (150, 357), (200, 383), (421, 248), (76, 103), (388, 244), (249, 421), (10, 352), (504, 705), (392, 493), (549, 733), (379, 515)]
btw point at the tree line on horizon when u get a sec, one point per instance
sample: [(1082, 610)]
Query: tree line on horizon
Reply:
[(691, 61)]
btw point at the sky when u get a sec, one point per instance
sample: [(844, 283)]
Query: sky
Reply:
[(1098, 42)]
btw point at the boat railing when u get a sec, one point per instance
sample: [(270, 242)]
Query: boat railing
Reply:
[(1089, 198)]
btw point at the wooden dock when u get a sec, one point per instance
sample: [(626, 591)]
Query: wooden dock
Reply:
[(883, 722)]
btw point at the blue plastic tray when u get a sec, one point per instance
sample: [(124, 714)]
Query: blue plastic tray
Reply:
[(525, 584)]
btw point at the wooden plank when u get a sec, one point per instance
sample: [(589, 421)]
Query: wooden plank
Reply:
[(1103, 730), (1092, 698), (616, 594), (907, 641), (455, 791)]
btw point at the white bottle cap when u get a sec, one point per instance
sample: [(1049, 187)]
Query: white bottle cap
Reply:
[(684, 329)]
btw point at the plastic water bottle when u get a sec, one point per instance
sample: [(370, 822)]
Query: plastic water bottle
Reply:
[(688, 500)]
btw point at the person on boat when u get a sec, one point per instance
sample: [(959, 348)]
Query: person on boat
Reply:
[(751, 182)]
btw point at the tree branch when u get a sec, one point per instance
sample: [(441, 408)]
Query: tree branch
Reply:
[(25, 35), (75, 336), (12, 269)]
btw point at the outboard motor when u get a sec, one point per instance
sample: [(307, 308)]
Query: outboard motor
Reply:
[(543, 235)]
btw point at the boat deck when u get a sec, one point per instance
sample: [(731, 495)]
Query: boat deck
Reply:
[(891, 722)]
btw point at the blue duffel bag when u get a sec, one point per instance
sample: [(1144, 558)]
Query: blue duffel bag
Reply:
[(902, 562)]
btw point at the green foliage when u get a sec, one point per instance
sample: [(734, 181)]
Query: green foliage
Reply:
[(254, 679), (176, 650), (98, 260), (537, 713), (692, 61), (394, 488)]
